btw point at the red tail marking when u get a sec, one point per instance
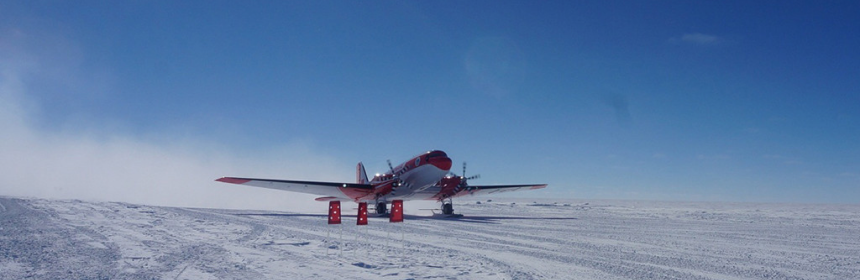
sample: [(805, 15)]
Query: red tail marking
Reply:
[(362, 214), (334, 212), (360, 174), (396, 211)]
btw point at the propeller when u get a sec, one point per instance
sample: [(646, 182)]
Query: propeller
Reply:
[(464, 184), (396, 179)]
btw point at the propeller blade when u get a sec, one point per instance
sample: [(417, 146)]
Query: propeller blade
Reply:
[(396, 184), (464, 181)]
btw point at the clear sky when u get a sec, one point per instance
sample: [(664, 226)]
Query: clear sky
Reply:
[(666, 100)]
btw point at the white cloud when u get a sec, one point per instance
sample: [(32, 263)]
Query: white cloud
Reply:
[(98, 164)]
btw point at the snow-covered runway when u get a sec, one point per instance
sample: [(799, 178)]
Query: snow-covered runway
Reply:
[(64, 239)]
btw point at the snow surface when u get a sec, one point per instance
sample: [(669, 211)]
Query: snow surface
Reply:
[(71, 239)]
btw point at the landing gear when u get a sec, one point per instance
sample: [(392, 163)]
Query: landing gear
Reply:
[(447, 208), (381, 208)]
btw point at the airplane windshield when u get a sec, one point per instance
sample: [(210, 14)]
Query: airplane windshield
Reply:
[(435, 154)]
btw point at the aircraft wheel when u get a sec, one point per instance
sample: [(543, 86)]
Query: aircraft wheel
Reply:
[(381, 208), (447, 209)]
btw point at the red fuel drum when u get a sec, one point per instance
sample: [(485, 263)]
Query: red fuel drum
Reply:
[(362, 214), (396, 211), (334, 212)]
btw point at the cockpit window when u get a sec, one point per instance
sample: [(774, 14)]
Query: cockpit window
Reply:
[(435, 154)]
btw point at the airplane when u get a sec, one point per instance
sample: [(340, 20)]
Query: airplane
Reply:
[(423, 177)]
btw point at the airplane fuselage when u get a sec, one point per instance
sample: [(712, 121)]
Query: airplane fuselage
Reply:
[(413, 179)]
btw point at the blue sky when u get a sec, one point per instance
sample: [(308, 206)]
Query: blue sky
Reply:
[(668, 100)]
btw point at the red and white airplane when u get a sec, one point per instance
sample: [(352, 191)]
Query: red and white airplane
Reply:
[(423, 177)]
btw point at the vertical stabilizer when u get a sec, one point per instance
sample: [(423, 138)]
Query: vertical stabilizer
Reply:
[(361, 175)]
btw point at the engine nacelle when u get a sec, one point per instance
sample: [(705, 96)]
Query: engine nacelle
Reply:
[(450, 186)]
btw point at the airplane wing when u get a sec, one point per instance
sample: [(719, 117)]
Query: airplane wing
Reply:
[(482, 190), (329, 189)]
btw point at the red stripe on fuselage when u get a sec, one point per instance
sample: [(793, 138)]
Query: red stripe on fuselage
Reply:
[(442, 162)]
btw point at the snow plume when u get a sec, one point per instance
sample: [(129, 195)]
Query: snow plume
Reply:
[(90, 162)]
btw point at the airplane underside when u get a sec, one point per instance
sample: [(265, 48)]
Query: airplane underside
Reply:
[(447, 207)]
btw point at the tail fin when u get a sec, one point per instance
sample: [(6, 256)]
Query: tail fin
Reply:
[(361, 175)]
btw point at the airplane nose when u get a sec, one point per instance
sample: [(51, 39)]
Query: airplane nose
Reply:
[(443, 163)]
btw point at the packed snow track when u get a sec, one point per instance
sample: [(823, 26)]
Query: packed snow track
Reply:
[(65, 239)]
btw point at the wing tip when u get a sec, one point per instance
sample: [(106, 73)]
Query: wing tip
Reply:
[(538, 187), (232, 180)]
